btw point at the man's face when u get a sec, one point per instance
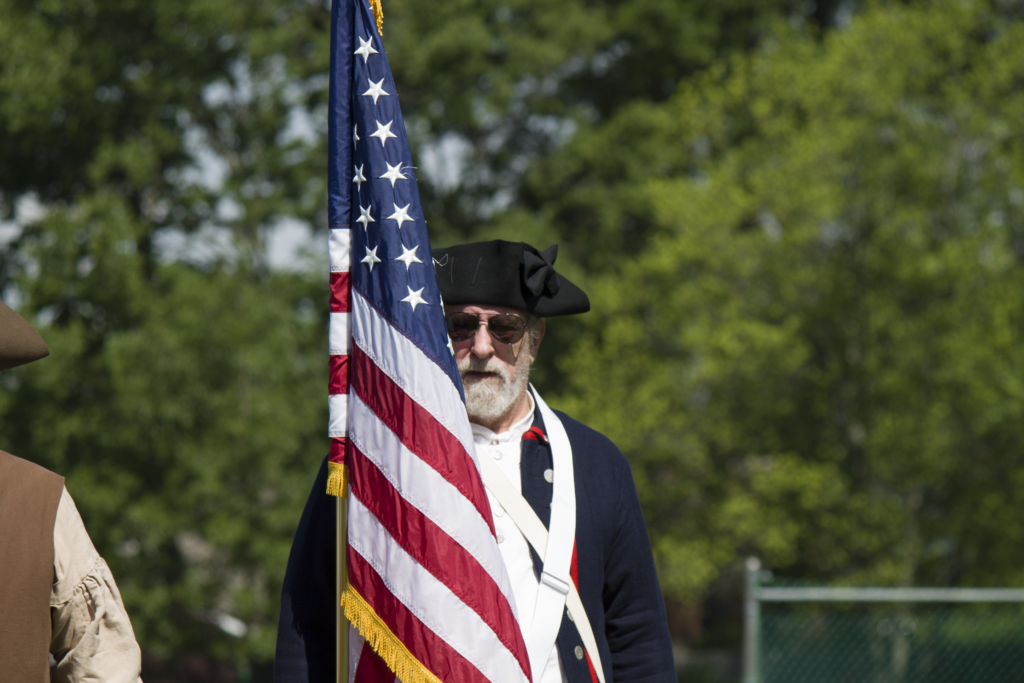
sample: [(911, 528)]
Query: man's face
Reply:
[(495, 375)]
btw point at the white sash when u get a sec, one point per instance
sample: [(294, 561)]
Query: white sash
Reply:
[(556, 587)]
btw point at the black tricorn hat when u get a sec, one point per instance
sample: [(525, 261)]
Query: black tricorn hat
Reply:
[(513, 274), (19, 341)]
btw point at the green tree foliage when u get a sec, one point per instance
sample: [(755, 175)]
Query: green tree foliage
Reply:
[(506, 83), (818, 356)]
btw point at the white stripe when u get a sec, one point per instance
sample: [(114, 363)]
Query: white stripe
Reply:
[(409, 368), (355, 652), (337, 406), (431, 601), (355, 649), (430, 493), (339, 338), (339, 243)]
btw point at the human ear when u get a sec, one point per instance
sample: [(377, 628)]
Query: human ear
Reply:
[(536, 335)]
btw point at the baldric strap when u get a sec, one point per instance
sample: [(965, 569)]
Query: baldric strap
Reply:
[(557, 590)]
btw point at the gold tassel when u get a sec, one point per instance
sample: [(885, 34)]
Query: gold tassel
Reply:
[(378, 14), (337, 479), (383, 641)]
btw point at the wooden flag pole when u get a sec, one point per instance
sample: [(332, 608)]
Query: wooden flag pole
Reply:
[(340, 578)]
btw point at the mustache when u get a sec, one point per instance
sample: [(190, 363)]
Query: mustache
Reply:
[(474, 364)]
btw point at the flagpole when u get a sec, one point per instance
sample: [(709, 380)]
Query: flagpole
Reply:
[(340, 577)]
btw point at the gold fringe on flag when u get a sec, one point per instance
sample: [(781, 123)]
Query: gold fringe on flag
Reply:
[(378, 14), (383, 641), (337, 479)]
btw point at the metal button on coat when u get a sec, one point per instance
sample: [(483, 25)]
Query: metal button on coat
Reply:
[(549, 476), (569, 614), (500, 537), (499, 512), (579, 652), (496, 455)]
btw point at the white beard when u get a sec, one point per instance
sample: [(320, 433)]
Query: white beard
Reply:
[(487, 401)]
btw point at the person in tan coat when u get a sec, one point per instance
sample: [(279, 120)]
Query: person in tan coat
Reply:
[(57, 596)]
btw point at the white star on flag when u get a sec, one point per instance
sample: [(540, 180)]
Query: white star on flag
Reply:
[(408, 257), (376, 90), (383, 132), (401, 215), (359, 178), (364, 217), (414, 299), (371, 258), (394, 173), (365, 49)]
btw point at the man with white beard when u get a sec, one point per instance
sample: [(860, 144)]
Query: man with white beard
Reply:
[(592, 602), (566, 515)]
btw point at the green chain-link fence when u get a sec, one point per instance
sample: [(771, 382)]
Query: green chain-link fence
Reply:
[(800, 634)]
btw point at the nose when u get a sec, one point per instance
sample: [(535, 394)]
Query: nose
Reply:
[(482, 345)]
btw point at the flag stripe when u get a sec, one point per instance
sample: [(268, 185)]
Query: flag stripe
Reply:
[(339, 292), (337, 406), (339, 245), (418, 430), (372, 668), (356, 643), (424, 488), (337, 376), (406, 363), (337, 448), (433, 549), (339, 339), (421, 610)]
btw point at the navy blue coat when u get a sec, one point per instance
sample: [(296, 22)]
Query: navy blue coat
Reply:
[(616, 577)]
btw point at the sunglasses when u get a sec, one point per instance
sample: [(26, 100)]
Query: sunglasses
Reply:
[(505, 327)]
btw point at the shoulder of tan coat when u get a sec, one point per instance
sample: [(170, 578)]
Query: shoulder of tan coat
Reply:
[(20, 343)]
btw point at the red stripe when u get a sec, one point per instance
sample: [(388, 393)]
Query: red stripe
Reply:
[(340, 298), (574, 572), (337, 376), (535, 433), (338, 444), (425, 645), (418, 430), (590, 665), (371, 668), (436, 551)]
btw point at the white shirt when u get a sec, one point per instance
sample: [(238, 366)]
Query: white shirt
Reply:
[(505, 450), (92, 636)]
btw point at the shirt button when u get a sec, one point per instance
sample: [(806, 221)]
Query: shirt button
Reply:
[(496, 455), (579, 652), (500, 537), (549, 476), (500, 512)]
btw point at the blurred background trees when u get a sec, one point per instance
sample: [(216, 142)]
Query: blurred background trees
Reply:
[(801, 226)]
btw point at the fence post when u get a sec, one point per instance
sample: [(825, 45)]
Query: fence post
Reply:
[(751, 622)]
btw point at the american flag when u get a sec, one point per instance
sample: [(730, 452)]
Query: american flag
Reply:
[(427, 589)]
